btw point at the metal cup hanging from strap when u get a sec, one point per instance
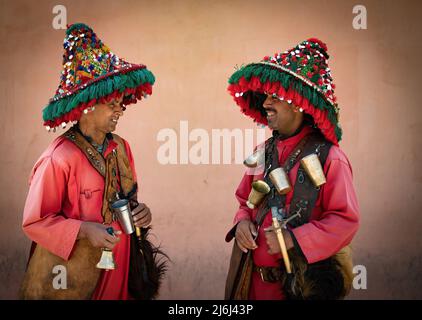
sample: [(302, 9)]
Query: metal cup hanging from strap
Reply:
[(280, 180), (313, 168), (255, 159)]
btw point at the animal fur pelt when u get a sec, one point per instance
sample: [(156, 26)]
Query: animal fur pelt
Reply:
[(329, 279), (148, 264)]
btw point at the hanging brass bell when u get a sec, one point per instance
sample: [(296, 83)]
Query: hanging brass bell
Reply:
[(107, 260), (259, 189)]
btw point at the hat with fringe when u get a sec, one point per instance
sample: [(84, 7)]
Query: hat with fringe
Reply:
[(300, 76), (93, 74)]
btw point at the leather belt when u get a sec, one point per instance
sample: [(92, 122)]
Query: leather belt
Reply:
[(269, 274)]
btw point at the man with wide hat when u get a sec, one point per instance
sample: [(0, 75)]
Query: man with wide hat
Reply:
[(298, 209), (80, 249)]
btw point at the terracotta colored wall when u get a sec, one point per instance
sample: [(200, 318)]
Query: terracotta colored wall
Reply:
[(192, 47)]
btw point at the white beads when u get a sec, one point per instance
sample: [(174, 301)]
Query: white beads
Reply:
[(89, 110)]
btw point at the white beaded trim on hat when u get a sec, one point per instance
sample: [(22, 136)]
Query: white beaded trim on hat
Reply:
[(307, 81)]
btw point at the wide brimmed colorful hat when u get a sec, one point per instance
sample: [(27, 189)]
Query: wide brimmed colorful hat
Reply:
[(300, 76), (93, 74)]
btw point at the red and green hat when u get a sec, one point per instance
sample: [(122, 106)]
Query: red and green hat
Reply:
[(93, 74), (300, 76)]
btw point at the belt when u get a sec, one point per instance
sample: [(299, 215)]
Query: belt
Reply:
[(269, 274)]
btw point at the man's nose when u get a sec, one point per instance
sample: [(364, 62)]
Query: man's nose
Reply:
[(118, 108), (268, 101)]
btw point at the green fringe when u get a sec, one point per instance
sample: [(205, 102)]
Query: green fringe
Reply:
[(96, 90), (266, 73)]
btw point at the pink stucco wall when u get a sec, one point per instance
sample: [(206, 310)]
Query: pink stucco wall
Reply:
[(192, 48)]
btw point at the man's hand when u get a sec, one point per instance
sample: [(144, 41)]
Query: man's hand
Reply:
[(97, 234), (141, 215), (272, 241), (245, 233)]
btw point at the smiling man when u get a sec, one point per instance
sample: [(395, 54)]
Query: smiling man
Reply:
[(68, 213), (293, 93)]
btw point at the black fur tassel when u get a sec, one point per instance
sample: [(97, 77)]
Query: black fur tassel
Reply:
[(148, 265), (322, 280)]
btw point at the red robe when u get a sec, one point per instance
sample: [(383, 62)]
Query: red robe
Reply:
[(65, 189), (332, 225)]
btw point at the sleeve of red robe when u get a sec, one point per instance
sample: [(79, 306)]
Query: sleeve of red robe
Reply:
[(244, 212), (42, 220), (242, 194), (339, 218)]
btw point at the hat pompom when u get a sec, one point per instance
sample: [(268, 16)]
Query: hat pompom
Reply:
[(92, 72), (300, 74), (321, 44)]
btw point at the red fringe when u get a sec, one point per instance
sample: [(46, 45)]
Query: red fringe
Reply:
[(320, 116), (75, 114)]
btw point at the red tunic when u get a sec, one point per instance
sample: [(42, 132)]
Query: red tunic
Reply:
[(65, 189), (333, 222)]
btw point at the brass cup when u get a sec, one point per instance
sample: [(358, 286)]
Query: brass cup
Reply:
[(255, 158), (259, 190), (280, 180), (313, 168)]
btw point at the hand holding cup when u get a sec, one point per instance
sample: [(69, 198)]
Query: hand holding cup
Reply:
[(141, 215)]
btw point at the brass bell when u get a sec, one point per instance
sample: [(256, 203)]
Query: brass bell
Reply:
[(107, 260), (259, 189)]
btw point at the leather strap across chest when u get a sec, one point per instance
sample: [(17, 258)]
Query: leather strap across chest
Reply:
[(115, 169), (305, 193), (272, 162)]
